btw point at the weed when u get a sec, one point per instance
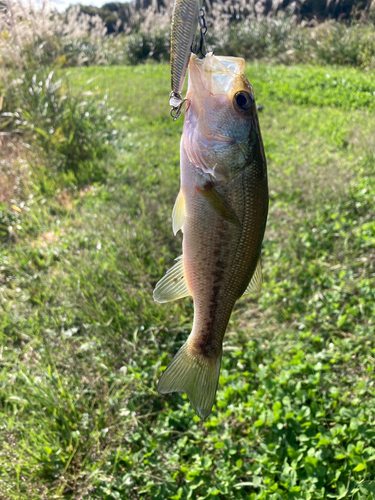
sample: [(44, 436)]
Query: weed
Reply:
[(142, 46), (252, 29), (74, 131), (83, 343)]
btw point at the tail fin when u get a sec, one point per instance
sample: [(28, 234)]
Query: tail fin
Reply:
[(195, 375)]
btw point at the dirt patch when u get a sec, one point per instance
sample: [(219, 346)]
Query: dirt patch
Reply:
[(45, 240), (65, 200), (50, 237)]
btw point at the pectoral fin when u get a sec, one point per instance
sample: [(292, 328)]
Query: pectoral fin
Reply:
[(220, 205), (179, 214), (255, 285), (173, 285)]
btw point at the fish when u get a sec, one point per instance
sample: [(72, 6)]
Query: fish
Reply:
[(221, 210), (184, 27)]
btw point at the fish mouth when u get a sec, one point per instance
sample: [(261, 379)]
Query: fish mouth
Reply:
[(213, 126), (213, 82), (215, 75), (212, 63)]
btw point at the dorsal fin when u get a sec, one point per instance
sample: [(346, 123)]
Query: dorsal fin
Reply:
[(173, 285), (255, 285), (179, 214)]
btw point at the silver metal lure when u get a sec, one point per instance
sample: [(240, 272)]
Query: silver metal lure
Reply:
[(185, 18)]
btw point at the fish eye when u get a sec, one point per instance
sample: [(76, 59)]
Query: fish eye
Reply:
[(243, 100)]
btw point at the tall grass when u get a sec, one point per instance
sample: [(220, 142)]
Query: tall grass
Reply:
[(282, 40), (73, 131), (34, 34), (41, 36)]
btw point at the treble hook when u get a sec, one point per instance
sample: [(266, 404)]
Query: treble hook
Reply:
[(176, 101), (203, 29)]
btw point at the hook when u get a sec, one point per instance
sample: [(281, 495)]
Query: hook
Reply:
[(176, 101), (203, 29)]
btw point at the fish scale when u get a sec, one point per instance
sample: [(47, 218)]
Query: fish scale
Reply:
[(241, 250), (222, 210)]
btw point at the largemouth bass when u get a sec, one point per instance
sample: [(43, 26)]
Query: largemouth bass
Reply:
[(222, 211), (184, 28)]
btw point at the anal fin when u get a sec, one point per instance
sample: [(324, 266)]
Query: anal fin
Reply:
[(220, 205), (173, 285)]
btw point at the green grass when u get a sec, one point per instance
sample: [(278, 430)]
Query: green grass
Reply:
[(83, 344)]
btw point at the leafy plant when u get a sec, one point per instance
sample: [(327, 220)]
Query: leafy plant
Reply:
[(7, 220), (83, 343), (148, 45), (75, 131)]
